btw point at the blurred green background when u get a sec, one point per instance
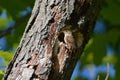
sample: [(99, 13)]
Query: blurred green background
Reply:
[(101, 55)]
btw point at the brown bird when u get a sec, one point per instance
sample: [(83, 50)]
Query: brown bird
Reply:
[(69, 40)]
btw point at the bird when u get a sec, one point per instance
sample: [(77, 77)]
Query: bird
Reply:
[(69, 40)]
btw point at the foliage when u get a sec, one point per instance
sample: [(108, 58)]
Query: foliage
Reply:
[(104, 47), (14, 15), (7, 57), (1, 74)]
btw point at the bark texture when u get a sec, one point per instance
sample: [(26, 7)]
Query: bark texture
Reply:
[(44, 52)]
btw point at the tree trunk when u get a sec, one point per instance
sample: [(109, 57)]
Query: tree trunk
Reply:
[(54, 39)]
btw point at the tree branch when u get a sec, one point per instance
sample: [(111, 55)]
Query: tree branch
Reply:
[(53, 41)]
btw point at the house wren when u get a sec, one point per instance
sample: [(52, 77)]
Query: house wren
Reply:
[(69, 40)]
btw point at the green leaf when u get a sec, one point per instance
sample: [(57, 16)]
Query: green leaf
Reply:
[(13, 7), (79, 78), (110, 59), (117, 67), (112, 37), (111, 12), (97, 50), (3, 22), (14, 39), (6, 55), (89, 43), (1, 74)]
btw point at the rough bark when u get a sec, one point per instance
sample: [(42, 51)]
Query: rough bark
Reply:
[(43, 53)]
